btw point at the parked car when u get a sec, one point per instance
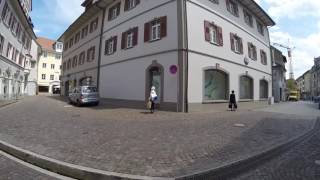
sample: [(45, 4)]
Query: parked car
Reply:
[(84, 95)]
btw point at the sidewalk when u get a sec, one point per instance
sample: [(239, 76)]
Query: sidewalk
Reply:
[(129, 141), (5, 103)]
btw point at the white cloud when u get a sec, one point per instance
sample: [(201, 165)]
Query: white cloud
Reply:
[(293, 8), (36, 30), (306, 46)]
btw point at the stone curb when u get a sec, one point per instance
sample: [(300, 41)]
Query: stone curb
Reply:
[(7, 104), (239, 166), (67, 169)]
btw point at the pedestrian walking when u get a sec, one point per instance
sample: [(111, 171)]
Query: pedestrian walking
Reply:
[(232, 102), (153, 97)]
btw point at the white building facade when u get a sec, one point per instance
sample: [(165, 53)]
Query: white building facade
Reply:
[(192, 51), (18, 52)]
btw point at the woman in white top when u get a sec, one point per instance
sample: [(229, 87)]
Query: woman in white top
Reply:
[(153, 97)]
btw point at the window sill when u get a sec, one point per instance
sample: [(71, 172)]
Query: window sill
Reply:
[(109, 54), (237, 52), (113, 18), (129, 9), (213, 43), (154, 40)]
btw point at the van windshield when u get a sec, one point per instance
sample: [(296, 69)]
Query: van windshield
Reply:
[(89, 89)]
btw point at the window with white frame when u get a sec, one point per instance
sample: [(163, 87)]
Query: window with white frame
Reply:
[(5, 14), (21, 59), (114, 11), (84, 32), (248, 18), (91, 54), (236, 43), (252, 51), (232, 7), (1, 44), (43, 76), (129, 43), (260, 28), (213, 33), (155, 29), (9, 50), (75, 61), (93, 25), (263, 56), (111, 45), (130, 4), (52, 66), (44, 65), (51, 77)]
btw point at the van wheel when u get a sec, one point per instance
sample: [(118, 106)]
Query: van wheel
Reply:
[(78, 103)]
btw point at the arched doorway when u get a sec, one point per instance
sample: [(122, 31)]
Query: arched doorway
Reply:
[(263, 89), (216, 85), (246, 87), (155, 77)]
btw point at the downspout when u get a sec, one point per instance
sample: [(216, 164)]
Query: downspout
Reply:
[(100, 45), (182, 105)]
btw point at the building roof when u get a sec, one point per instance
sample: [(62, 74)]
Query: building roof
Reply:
[(258, 11), (46, 44)]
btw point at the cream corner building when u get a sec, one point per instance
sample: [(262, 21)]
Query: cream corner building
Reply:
[(49, 66)]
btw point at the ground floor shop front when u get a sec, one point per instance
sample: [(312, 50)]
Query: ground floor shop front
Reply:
[(208, 80)]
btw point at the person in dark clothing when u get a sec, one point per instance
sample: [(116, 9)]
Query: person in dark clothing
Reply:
[(232, 102)]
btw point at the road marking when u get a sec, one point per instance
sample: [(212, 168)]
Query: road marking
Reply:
[(239, 125), (67, 106), (317, 162), (43, 171)]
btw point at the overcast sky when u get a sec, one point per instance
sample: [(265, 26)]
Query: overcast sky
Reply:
[(297, 20)]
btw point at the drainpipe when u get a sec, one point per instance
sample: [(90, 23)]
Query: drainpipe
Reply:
[(100, 45)]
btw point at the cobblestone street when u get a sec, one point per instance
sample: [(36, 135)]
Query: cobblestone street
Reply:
[(300, 163), (134, 142)]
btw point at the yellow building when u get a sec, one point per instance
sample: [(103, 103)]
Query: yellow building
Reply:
[(49, 66)]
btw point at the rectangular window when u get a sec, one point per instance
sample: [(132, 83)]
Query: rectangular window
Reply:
[(82, 57), (69, 64), (260, 28), (44, 65), (263, 57), (130, 4), (94, 25), (51, 77), (21, 59), (66, 46), (9, 50), (114, 11), (252, 51), (75, 61), (213, 33), (84, 32), (1, 44), (91, 54), (248, 18), (5, 14), (71, 43), (77, 38), (110, 46), (18, 32), (43, 76), (64, 66), (232, 7), (155, 29), (52, 66), (236, 43), (58, 56), (15, 56), (129, 38)]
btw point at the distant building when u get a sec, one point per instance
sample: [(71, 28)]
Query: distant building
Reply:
[(304, 85), (315, 78), (194, 52), (278, 75), (49, 66), (18, 50)]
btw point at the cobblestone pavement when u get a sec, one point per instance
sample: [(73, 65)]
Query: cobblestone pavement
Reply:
[(134, 142), (300, 163), (14, 171)]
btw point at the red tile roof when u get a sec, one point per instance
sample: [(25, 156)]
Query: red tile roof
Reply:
[(45, 43)]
